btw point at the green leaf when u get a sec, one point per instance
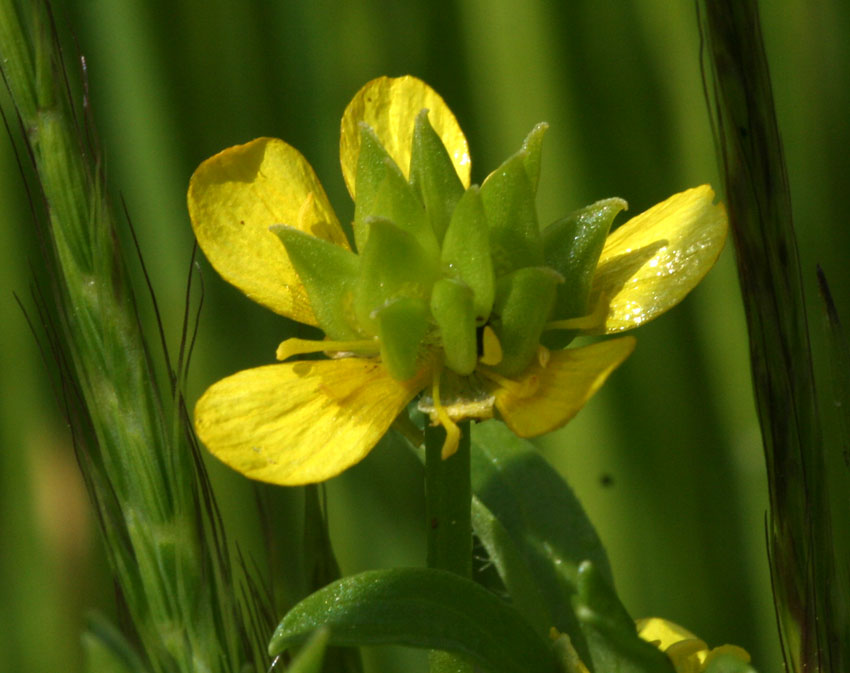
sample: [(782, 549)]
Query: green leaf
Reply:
[(387, 195), (727, 663), (433, 175), (758, 200), (401, 327), (508, 199), (392, 265), (523, 306), (609, 631), (544, 519), (329, 273), (833, 539), (466, 251), (321, 568), (572, 247), (419, 607), (310, 657), (511, 566), (453, 311), (106, 650)]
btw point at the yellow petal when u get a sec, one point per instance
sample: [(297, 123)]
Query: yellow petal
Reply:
[(301, 422), (235, 196), (661, 632), (390, 105), (545, 398), (732, 650), (687, 655), (650, 263)]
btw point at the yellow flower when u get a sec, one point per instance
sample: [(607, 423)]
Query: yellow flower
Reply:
[(306, 421), (688, 653)]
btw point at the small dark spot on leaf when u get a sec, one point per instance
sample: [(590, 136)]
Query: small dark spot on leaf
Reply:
[(434, 523), (606, 480)]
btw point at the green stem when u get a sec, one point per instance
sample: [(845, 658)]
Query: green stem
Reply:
[(448, 494)]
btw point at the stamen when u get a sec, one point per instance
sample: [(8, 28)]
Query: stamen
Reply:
[(492, 354), (587, 322), (452, 430), (292, 347), (543, 355)]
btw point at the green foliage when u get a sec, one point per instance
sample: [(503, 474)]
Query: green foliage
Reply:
[(609, 630), (808, 481), (106, 649), (163, 538), (310, 657), (726, 663), (419, 607), (543, 533)]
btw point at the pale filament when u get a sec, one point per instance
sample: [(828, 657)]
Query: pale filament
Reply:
[(292, 347), (452, 429)]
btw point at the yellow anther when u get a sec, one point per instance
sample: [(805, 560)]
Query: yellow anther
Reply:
[(492, 349), (452, 429), (292, 347), (543, 355)]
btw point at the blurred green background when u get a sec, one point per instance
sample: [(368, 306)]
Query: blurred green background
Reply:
[(667, 458)]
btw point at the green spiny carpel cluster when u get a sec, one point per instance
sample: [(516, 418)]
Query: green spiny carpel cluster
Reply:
[(437, 265)]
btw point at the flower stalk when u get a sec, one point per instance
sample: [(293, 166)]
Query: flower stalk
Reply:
[(448, 501)]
